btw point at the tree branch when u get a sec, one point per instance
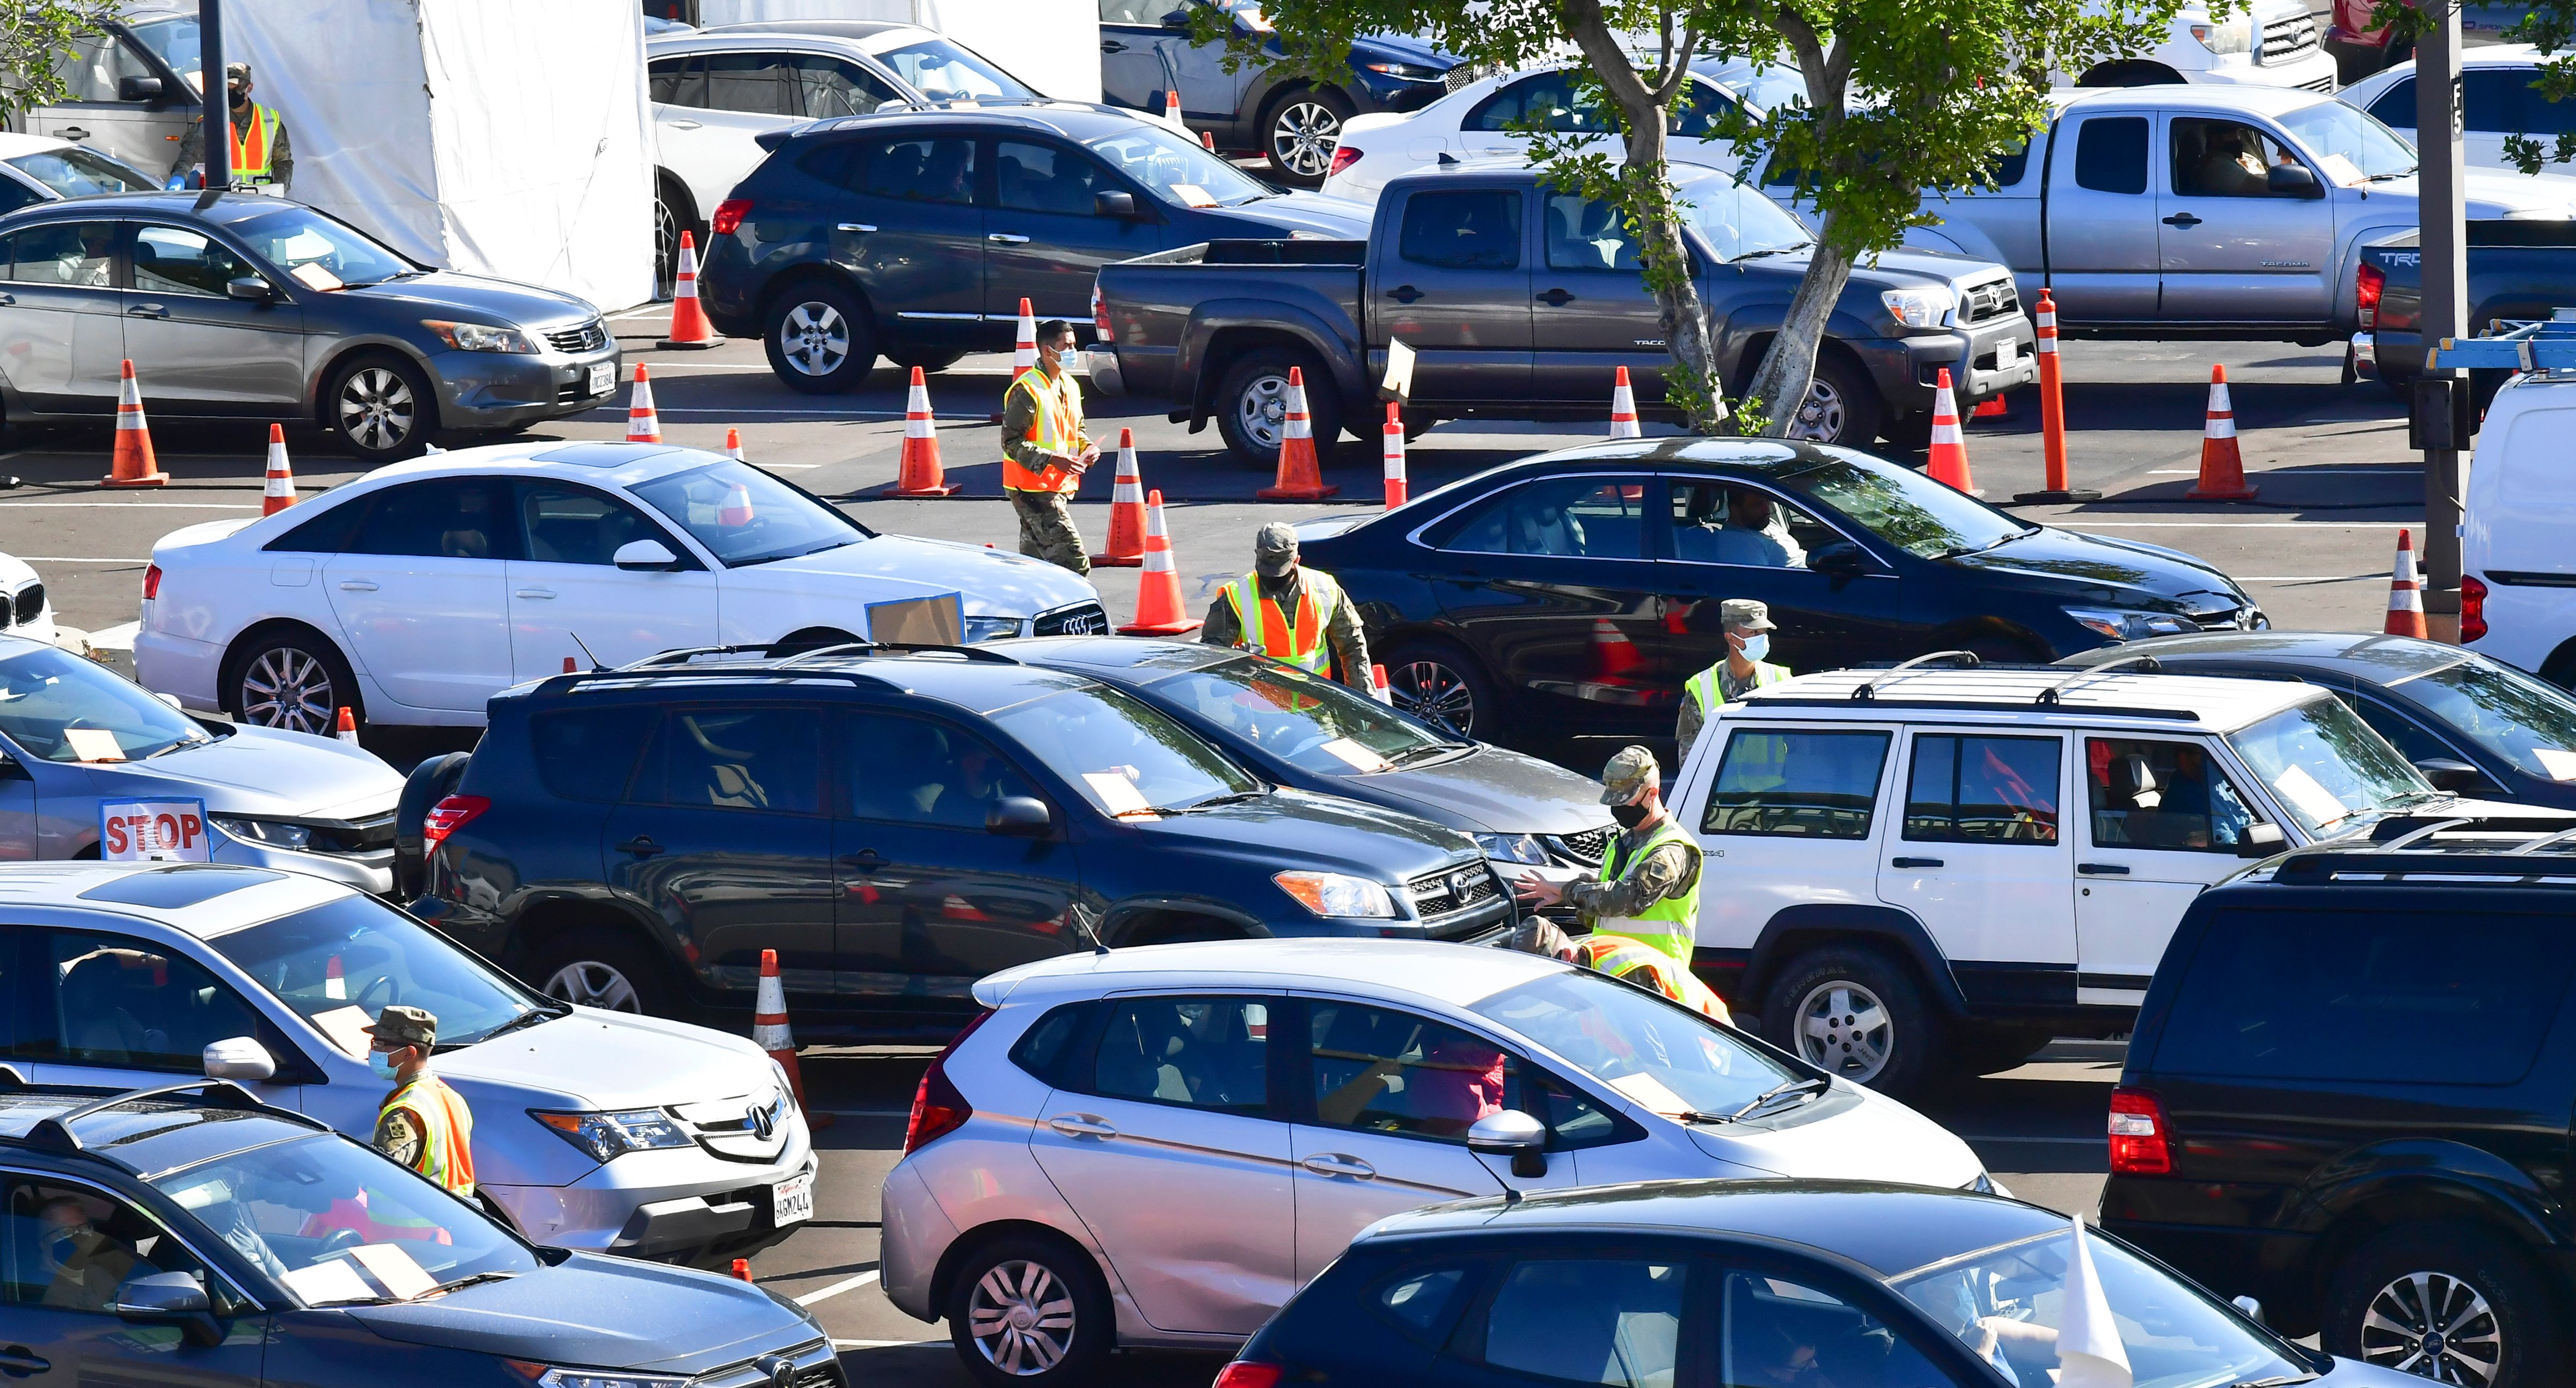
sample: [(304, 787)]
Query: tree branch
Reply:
[(1676, 73)]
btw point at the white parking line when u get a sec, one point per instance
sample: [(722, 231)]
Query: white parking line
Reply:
[(64, 559), (2305, 578), (2293, 473), (130, 505), (116, 638), (2234, 525), (847, 1284)]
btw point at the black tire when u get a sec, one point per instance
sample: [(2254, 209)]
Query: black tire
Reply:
[(1059, 1286), (924, 355), (2466, 1264), (601, 966), (1300, 130), (1843, 405), (1443, 685), (292, 680), (1992, 1050), (820, 337), (381, 406), (1252, 404), (430, 782), (1873, 1025), (674, 211), (1908, 433)]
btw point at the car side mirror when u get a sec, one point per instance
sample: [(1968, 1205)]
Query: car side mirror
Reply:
[(2293, 180), (170, 1298), (2260, 841), (2446, 774), (251, 288), (635, 555), (2253, 1309), (239, 1059), (138, 89), (1020, 817), (1113, 204), (1514, 1134), (1177, 19)]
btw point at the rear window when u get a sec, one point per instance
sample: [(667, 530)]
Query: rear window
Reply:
[(2387, 996)]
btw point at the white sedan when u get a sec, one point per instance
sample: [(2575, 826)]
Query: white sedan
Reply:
[(414, 595), (40, 168), (2497, 102)]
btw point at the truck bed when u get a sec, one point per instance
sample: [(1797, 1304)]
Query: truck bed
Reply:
[(2516, 270), (1151, 302)]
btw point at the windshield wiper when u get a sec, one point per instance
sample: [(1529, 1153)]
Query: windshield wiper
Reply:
[(1235, 797), (2277, 1382), (524, 1020), (1427, 751), (1817, 1085), (1955, 551), (178, 746), (470, 1281), (1772, 250)]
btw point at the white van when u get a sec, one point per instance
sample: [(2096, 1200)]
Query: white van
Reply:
[(1934, 869), (2518, 534)]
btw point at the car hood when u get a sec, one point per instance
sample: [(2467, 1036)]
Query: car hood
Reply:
[(1295, 828), (1849, 1134), (496, 301), (2092, 568), (987, 581), (2490, 194), (1400, 48), (1493, 791), (1906, 266), (262, 771), (612, 1060), (1341, 219), (598, 1312)]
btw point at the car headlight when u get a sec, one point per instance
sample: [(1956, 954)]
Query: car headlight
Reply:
[(1512, 848), (268, 833), (607, 1135), (1919, 308), (1337, 894), (2130, 626), (1405, 72), (2225, 40), (548, 1376), (992, 628), (479, 337)]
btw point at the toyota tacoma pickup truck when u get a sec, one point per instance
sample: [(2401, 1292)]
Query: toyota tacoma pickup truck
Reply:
[(2517, 270), (1520, 302)]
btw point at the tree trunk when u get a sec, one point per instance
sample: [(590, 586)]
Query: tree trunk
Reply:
[(1789, 367), (1684, 317)]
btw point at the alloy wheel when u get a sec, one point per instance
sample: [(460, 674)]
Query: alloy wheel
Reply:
[(590, 983), (1304, 137), (1262, 410), (2433, 1325), (290, 689), (666, 247), (1430, 690), (1820, 420), (1021, 1317), (377, 408), (814, 338), (1842, 1027)]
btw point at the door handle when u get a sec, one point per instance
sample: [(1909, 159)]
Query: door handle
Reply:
[(1335, 1164), (356, 585), (866, 860), (684, 125), (17, 1361), (1079, 1125), (860, 227), (2182, 219), (1914, 862), (148, 311), (1404, 293), (535, 592), (1557, 297), (73, 132), (1112, 46), (2103, 869), (642, 846), (1004, 238), (8, 298)]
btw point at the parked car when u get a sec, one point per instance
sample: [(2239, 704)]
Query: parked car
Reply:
[(2516, 533), (1568, 595), (1312, 733), (1205, 1127), (240, 306), (129, 86), (2270, 45), (1521, 302), (2497, 100), (2384, 1159), (1699, 1283), (416, 593), (896, 823), (606, 1133), (2469, 722), (215, 1239), (916, 233), (25, 611), (39, 168), (2361, 45), (1147, 48), (1953, 917), (2516, 271)]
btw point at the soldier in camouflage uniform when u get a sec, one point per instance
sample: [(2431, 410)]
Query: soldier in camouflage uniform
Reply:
[(1046, 451)]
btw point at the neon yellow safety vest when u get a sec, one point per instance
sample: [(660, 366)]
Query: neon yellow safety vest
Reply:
[(253, 146), (1298, 638), (1704, 690), (1055, 429), (1672, 924), (447, 1131)]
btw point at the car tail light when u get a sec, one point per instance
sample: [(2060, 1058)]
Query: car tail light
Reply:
[(1100, 316), (2366, 289), (448, 816), (2140, 1136), (2473, 608), (1248, 1373), (1343, 157), (151, 582), (937, 1108), (729, 215)]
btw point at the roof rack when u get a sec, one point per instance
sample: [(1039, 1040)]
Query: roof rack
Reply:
[(2403, 847), (2146, 665), (2182, 715), (55, 1134), (778, 651), (1868, 689)]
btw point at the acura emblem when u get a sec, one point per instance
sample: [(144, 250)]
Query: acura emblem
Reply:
[(763, 1122), (781, 1371)]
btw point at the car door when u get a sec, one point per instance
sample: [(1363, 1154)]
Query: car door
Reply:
[(72, 800), (1142, 56), (568, 596), (1457, 291), (65, 1246), (906, 224), (1729, 539), (1801, 803), (211, 354), (116, 100), (1170, 1154), (2163, 824), (62, 325), (1591, 312), (419, 587), (725, 835), (1044, 237), (709, 158), (113, 1011), (2233, 248), (1979, 857), (2101, 210), (1614, 1310)]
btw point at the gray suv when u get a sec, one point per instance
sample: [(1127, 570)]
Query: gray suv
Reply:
[(249, 307)]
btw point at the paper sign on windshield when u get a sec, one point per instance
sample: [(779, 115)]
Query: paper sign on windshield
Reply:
[(153, 831), (94, 744), (2343, 171), (1653, 1093), (2561, 766), (1119, 794), (402, 1277), (1192, 195), (1359, 756), (313, 276), (2312, 798), (328, 1281), (347, 1028)]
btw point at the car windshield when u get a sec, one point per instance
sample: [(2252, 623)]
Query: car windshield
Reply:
[(340, 964), (1128, 758), (1659, 1054), (60, 707), (1177, 170), (317, 252), (2006, 1304), (1904, 507), (2528, 722), (338, 1223), (76, 172), (2332, 131), (745, 516), (1315, 724), (2325, 765), (175, 41), (943, 71), (1737, 221)]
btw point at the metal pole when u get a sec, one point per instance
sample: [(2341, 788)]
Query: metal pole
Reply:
[(2446, 290), (210, 77)]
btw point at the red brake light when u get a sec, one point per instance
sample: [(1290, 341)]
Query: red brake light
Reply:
[(151, 582), (2366, 289), (729, 215), (1246, 1373), (1343, 157), (2140, 1137), (937, 1108), (448, 816), (2473, 608), (1100, 316)]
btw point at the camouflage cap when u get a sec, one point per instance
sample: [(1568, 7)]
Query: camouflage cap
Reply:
[(1629, 772), (405, 1026), (1745, 614), (236, 71), (1274, 550)]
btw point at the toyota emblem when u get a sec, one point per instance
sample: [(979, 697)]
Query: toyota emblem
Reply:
[(1462, 883), (764, 1123)]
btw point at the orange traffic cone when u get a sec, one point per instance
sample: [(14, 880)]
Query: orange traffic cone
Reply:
[(1949, 462), (1024, 354), (134, 465), (1623, 408), (642, 425), (570, 667), (1614, 655), (1394, 455), (1207, 139), (1158, 594), (921, 474), (1300, 479), (348, 728), (741, 1266), (689, 325), (279, 493), (769, 1032), (1379, 687), (2405, 594), (1172, 110), (1126, 511), (1990, 409), (2222, 464), (733, 444)]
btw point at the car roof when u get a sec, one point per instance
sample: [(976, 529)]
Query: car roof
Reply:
[(2074, 696), (1074, 120), (1519, 170), (203, 900), (954, 675), (149, 1132), (1445, 973), (13, 144), (1138, 658), (2259, 101), (218, 209), (2376, 658), (818, 28), (614, 463)]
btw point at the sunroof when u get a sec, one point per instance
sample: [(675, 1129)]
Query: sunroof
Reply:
[(600, 454), (184, 884)]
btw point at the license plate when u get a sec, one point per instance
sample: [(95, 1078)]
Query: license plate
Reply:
[(792, 1201), (2006, 353), (602, 377)]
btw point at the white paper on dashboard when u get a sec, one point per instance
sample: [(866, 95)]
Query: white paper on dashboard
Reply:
[(326, 1282), (94, 744), (402, 1277), (2309, 795), (1652, 1092), (2561, 766), (1357, 754), (1117, 793), (347, 1028)]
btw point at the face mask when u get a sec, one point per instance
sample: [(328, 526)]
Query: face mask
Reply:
[(383, 1065), (63, 1247), (1757, 645), (1629, 816)]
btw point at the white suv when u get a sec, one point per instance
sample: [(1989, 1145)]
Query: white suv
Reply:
[(1928, 868), (2518, 585)]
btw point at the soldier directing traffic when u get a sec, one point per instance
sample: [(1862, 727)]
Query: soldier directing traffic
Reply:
[(262, 158), (1046, 451), (1649, 884), (1286, 611), (424, 1124), (1748, 628)]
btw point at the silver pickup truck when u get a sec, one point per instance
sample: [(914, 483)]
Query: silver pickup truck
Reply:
[(2190, 211)]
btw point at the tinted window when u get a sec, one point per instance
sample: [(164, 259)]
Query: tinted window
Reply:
[(2528, 722), (2538, 115), (2225, 159), (64, 708), (2008, 170), (68, 1247), (75, 172), (766, 758), (2149, 794), (585, 754), (1778, 1332), (913, 771), (327, 532), (2396, 106), (1567, 517), (569, 525), (1194, 1052), (75, 253), (2460, 997), (2413, 741), (1695, 114), (831, 87), (922, 171), (1902, 506), (675, 83), (1320, 725), (1122, 754), (756, 84), (2111, 154), (1586, 234), (1477, 230), (450, 518), (2491, 99), (1806, 784), (1379, 1070), (1547, 99), (14, 195), (1714, 524), (1983, 789), (1047, 1050), (1588, 1321), (168, 260), (125, 1002), (1044, 178)]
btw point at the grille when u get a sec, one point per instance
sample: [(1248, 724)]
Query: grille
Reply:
[(589, 337), (1450, 890), (28, 605), (1588, 846), (827, 1376), (1086, 620), (1984, 302), (2221, 618), (572, 394), (2288, 38), (2323, 85)]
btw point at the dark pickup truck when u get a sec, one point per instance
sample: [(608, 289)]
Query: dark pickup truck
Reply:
[(1521, 303), (2517, 270)]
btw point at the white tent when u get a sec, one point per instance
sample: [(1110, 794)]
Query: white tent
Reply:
[(1053, 45)]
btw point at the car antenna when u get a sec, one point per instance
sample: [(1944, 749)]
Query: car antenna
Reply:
[(595, 666)]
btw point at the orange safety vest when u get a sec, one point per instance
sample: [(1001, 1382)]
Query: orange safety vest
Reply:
[(1266, 630), (1056, 428), (1626, 957), (447, 1137), (251, 146)]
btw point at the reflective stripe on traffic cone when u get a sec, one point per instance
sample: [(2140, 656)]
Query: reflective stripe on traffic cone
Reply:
[(1024, 354), (1623, 408), (2222, 463), (769, 1032), (279, 492), (733, 444), (1126, 511), (1300, 479), (1158, 594), (1949, 461), (1379, 687), (133, 465), (920, 474), (1172, 110), (348, 725), (689, 325), (2054, 489), (2405, 594), (1394, 455), (642, 425)]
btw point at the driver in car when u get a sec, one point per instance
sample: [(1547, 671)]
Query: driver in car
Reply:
[(88, 1266)]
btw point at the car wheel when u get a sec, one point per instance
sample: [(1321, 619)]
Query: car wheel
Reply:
[(1028, 1312), (381, 407), (1842, 405), (1252, 404), (2445, 1301), (602, 967), (928, 358), (1442, 686), (666, 243), (1301, 133), (294, 681), (1856, 1015), (820, 339)]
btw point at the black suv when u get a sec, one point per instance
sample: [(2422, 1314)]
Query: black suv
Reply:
[(896, 822), (2349, 1095)]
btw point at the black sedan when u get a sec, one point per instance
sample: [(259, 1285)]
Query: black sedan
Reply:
[(1569, 595), (2470, 724)]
